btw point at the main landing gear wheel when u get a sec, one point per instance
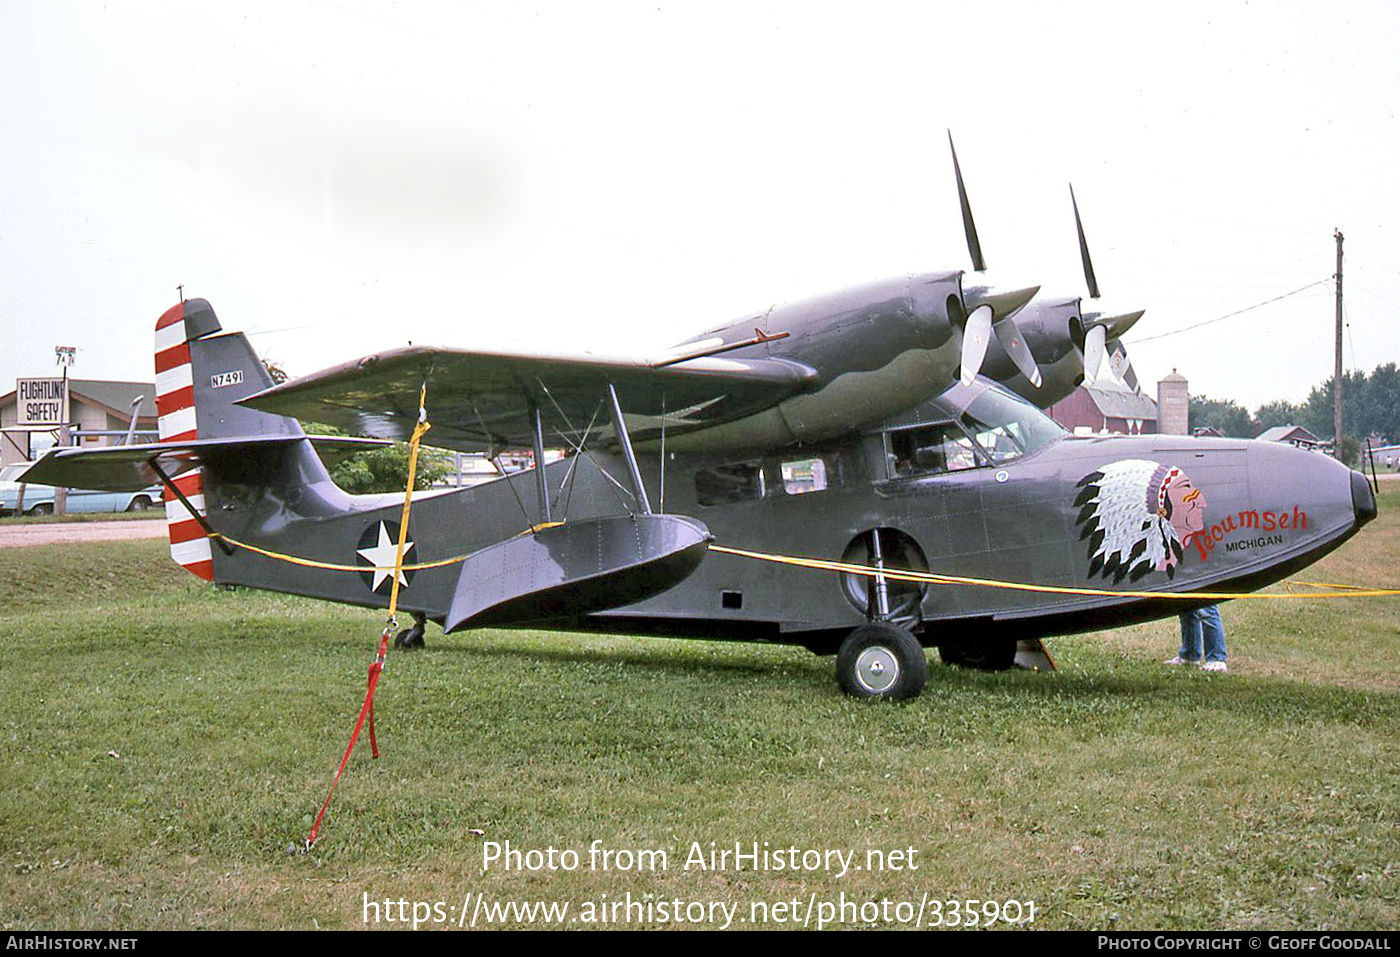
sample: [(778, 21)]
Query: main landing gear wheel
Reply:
[(881, 661), (412, 637), (989, 655)]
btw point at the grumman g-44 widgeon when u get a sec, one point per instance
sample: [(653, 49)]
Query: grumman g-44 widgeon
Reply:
[(877, 428)]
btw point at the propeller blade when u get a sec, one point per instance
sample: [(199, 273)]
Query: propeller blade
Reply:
[(1122, 368), (1089, 279), (977, 335), (974, 248), (1009, 335), (1093, 353)]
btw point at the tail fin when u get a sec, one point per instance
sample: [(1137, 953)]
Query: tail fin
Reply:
[(200, 374)]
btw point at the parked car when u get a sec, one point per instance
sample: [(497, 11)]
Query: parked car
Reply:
[(39, 499)]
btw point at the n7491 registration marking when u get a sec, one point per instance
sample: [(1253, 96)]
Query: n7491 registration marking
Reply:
[(226, 378)]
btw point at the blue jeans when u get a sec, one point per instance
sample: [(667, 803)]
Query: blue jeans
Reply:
[(1202, 630)]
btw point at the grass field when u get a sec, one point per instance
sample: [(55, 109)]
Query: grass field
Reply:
[(164, 743)]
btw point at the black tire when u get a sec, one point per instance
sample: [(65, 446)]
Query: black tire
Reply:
[(43, 508), (410, 638), (139, 504), (992, 654), (881, 661)]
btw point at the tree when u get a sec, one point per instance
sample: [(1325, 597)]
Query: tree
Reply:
[(1349, 448), (1316, 415), (276, 372), (1224, 415), (1379, 405), (384, 469), (1271, 414)]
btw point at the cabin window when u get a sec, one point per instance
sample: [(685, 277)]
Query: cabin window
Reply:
[(726, 484), (808, 475), (930, 450)]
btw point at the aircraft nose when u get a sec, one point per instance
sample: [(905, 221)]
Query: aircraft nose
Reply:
[(1363, 500)]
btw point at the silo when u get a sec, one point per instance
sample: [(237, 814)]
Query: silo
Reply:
[(1173, 405)]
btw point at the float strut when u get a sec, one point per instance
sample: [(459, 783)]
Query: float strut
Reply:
[(540, 486), (626, 442)]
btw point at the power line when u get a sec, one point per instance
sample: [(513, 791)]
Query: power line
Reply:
[(1237, 312)]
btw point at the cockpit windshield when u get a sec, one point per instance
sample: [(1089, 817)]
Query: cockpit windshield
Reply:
[(1007, 428), (982, 425)]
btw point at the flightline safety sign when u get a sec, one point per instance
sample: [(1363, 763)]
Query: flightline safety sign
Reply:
[(41, 402)]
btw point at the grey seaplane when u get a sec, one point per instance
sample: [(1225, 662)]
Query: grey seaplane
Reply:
[(892, 435)]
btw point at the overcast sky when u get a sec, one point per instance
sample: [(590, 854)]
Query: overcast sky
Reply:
[(339, 178)]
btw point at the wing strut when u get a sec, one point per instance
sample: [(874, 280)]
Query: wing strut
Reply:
[(540, 486), (170, 485), (626, 442)]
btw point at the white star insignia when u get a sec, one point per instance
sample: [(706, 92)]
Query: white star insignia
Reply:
[(382, 557)]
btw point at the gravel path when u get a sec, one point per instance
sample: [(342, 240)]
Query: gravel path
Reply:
[(18, 536)]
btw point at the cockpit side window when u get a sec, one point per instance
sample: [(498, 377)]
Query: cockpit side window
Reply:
[(726, 484)]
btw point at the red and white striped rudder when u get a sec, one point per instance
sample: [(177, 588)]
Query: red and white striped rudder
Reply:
[(189, 546)]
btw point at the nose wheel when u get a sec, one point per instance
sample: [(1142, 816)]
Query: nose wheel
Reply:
[(881, 660)]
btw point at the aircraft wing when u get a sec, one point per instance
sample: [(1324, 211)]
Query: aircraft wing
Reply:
[(481, 401)]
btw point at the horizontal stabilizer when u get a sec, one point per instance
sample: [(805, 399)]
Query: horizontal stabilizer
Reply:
[(128, 468), (577, 568)]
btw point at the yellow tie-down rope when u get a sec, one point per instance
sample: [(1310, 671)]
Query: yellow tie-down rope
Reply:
[(1344, 591), (894, 574), (333, 566), (377, 666)]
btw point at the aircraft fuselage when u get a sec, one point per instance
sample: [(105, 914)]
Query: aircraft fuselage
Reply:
[(954, 499)]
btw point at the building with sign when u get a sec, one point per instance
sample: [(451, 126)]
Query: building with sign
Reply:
[(99, 414)]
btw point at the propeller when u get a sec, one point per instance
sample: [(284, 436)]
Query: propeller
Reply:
[(1094, 342), (1089, 278), (977, 333), (1009, 335), (974, 248), (1097, 327), (992, 315)]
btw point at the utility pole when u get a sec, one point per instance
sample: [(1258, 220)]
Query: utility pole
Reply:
[(1337, 369), (66, 355)]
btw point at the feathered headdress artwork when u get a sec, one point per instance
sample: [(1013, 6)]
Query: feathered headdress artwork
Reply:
[(1125, 515)]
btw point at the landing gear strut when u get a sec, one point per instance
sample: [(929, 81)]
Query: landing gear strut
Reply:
[(412, 637)]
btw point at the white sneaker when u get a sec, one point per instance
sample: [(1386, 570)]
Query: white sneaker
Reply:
[(1178, 660), (1216, 666)]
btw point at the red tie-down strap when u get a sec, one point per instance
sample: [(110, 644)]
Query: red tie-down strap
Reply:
[(377, 666), (366, 712)]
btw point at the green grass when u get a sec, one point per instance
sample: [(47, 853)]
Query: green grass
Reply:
[(164, 742)]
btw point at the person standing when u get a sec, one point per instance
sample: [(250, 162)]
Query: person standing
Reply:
[(1202, 640)]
